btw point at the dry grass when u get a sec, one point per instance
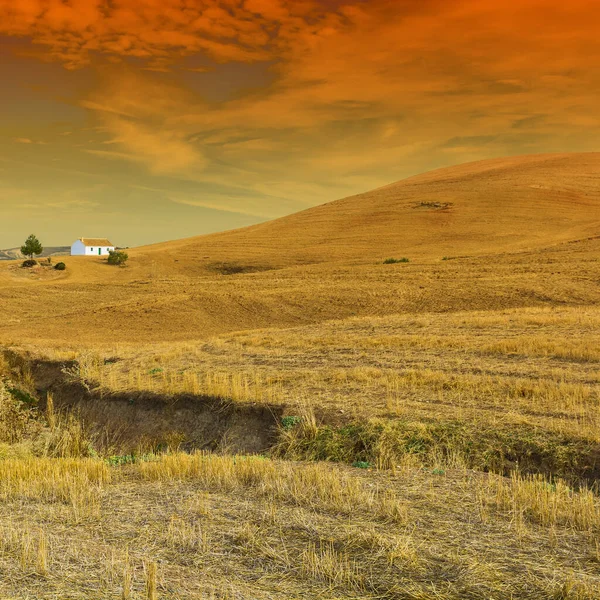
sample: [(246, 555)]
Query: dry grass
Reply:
[(551, 504), (76, 483), (93, 304), (491, 206), (469, 366), (300, 484), (247, 528)]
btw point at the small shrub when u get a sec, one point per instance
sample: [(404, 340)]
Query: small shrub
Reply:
[(117, 257), (393, 261), (130, 459), (30, 262), (290, 422), (361, 464), (60, 266), (125, 459)]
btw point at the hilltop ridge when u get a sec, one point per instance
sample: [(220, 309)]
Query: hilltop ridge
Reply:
[(495, 205)]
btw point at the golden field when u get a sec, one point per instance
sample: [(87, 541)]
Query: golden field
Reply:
[(463, 385), (202, 526)]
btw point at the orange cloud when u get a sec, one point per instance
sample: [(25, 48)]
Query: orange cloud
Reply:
[(24, 140), (226, 30), (134, 111), (361, 92)]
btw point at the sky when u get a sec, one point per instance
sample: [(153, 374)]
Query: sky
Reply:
[(149, 120)]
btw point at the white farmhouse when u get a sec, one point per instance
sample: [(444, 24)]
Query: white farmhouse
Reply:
[(91, 247)]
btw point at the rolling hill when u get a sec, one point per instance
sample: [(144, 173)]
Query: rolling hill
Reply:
[(522, 232), (497, 205)]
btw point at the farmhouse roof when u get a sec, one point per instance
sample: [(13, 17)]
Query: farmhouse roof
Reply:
[(95, 242)]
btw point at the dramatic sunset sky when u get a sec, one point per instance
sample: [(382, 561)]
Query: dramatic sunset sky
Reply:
[(148, 120)]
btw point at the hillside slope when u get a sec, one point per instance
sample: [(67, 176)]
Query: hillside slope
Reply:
[(508, 220), (496, 205), (15, 253)]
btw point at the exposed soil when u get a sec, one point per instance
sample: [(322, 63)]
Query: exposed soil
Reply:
[(128, 422), (39, 272)]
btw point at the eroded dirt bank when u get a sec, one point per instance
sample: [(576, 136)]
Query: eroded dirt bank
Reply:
[(143, 421), (133, 421)]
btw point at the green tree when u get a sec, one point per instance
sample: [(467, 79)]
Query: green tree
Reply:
[(31, 247), (117, 257)]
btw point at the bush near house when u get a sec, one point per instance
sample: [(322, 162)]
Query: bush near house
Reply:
[(117, 257), (60, 266)]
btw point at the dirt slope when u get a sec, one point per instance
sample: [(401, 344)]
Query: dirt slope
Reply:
[(484, 207)]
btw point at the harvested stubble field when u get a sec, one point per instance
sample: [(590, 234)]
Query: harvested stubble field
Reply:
[(465, 383), (198, 526)]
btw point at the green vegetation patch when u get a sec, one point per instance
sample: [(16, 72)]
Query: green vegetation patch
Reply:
[(439, 444), (130, 459), (393, 261), (234, 268), (361, 464), (290, 421), (22, 396)]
